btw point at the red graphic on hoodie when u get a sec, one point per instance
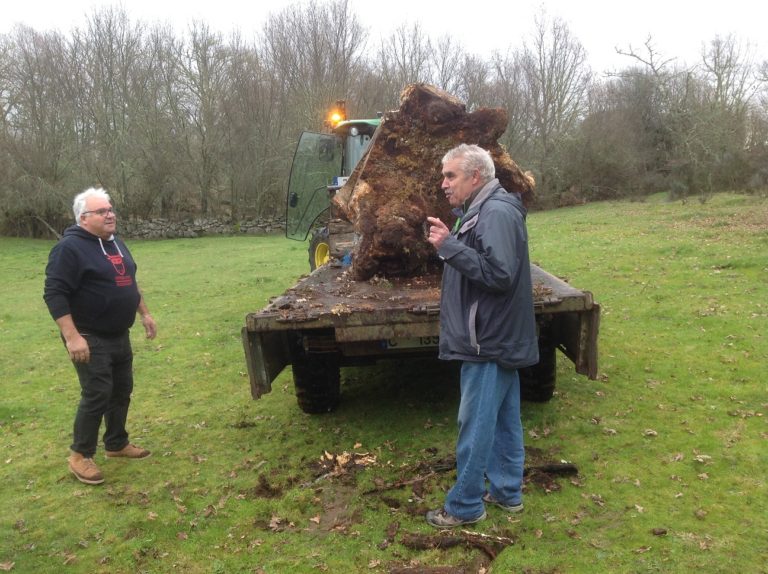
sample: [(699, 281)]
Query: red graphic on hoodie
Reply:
[(121, 279)]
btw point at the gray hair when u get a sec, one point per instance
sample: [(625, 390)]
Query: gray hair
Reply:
[(78, 206), (473, 157)]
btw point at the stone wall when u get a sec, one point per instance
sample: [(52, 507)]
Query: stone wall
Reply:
[(165, 229)]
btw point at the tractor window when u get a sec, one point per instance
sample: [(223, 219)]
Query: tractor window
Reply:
[(315, 164)]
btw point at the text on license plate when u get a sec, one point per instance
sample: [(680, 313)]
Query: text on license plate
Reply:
[(412, 342)]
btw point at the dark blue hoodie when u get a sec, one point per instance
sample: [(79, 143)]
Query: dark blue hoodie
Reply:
[(94, 280)]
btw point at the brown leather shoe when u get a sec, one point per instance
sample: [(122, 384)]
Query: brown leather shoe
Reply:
[(128, 451), (84, 469)]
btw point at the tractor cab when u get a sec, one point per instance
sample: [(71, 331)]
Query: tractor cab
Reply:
[(321, 164)]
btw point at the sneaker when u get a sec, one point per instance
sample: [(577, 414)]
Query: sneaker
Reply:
[(84, 469), (488, 499), (128, 451), (441, 519)]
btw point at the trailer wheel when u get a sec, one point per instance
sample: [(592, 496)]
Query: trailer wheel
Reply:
[(319, 249), (317, 381), (537, 382)]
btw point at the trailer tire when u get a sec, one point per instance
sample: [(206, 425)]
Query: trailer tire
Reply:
[(317, 380), (537, 382), (319, 248)]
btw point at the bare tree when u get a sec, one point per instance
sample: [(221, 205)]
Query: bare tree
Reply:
[(316, 53), (557, 77), (205, 79), (256, 158), (719, 142), (39, 150), (728, 67), (447, 58), (160, 133), (474, 86), (112, 48), (511, 93), (404, 58)]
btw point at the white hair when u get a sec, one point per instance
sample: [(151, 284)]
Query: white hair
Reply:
[(78, 206), (473, 157)]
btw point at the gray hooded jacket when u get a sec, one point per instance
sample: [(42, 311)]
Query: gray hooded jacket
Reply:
[(486, 306)]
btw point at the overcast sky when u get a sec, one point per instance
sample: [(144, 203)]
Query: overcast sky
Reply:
[(678, 27)]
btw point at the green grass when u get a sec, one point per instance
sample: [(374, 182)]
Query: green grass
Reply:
[(670, 437)]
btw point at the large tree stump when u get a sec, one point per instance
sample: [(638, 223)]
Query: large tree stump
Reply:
[(397, 184)]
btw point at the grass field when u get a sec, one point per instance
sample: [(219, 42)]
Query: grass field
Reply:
[(668, 441)]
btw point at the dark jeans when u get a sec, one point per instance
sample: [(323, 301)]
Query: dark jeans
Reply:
[(106, 383)]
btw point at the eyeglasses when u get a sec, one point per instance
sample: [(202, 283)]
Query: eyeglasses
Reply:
[(101, 212)]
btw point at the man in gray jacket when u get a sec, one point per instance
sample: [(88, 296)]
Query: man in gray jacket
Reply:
[(486, 321)]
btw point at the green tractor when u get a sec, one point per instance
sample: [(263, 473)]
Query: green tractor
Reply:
[(321, 165)]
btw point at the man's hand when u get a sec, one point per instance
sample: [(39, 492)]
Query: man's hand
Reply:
[(150, 328), (78, 349), (438, 232), (77, 346)]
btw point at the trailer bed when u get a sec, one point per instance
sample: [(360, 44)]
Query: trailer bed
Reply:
[(328, 297), (329, 312)]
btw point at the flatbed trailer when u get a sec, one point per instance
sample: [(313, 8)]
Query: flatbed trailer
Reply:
[(327, 321)]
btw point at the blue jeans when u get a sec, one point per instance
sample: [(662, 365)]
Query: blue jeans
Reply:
[(106, 384), (490, 442)]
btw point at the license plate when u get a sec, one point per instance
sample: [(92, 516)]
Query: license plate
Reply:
[(412, 342)]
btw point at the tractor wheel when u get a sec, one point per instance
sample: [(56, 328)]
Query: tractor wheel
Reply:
[(537, 382), (319, 249), (316, 377)]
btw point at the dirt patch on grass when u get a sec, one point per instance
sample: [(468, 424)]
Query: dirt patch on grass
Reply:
[(264, 489)]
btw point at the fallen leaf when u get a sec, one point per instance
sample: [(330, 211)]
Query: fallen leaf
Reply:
[(315, 519), (275, 523), (650, 432), (182, 535), (659, 531), (152, 516), (7, 566), (642, 550)]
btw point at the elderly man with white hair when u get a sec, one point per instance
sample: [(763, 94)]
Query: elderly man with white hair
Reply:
[(92, 294), (487, 322)]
